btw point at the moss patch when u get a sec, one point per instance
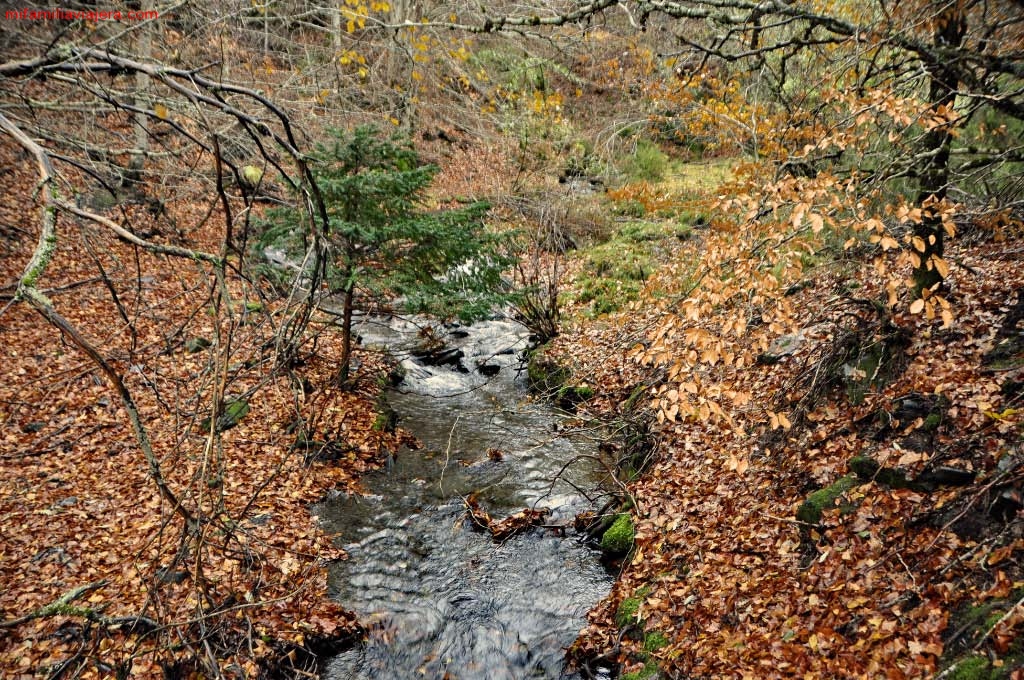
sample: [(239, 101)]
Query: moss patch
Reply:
[(973, 668), (193, 345), (823, 499), (615, 272), (618, 538), (571, 396), (544, 374), (868, 469), (655, 640), (234, 411), (648, 671), (387, 417), (625, 615)]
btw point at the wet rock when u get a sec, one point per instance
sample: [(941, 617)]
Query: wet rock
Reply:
[(450, 356), (488, 370), (545, 374), (1007, 505), (169, 576), (569, 397), (943, 475), (782, 347)]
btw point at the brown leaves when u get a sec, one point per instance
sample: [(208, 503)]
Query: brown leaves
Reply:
[(742, 588), (77, 497)]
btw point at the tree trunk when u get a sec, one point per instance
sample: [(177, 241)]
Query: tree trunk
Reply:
[(950, 29), (141, 137), (346, 334)]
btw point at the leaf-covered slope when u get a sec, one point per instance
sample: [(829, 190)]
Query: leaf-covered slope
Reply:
[(764, 389)]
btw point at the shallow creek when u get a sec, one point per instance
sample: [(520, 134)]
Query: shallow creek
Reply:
[(445, 601)]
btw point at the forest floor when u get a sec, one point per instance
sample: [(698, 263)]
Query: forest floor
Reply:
[(767, 378), (836, 485), (100, 576)]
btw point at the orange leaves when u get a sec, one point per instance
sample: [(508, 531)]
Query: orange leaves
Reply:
[(652, 198), (802, 211), (737, 464), (885, 241), (931, 305), (778, 421)]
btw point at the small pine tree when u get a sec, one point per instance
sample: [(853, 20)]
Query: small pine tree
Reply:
[(384, 244)]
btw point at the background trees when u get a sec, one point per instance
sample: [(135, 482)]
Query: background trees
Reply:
[(875, 94)]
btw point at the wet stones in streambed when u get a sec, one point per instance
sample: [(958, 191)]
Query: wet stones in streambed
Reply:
[(488, 370), (449, 356)]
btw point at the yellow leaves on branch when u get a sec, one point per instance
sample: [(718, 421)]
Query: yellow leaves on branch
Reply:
[(356, 12), (816, 220)]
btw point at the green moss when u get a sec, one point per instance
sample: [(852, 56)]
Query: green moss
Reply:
[(864, 467), (584, 392), (198, 344), (625, 615), (932, 422), (251, 176), (972, 668), (655, 640), (823, 499), (545, 374), (867, 469), (616, 271), (387, 418), (634, 398), (570, 396), (648, 671), (234, 411), (618, 538)]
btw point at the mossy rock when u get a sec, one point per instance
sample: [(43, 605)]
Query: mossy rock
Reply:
[(193, 345), (633, 400), (823, 499), (234, 411), (618, 538), (650, 670), (571, 396), (387, 417), (545, 375), (867, 469)]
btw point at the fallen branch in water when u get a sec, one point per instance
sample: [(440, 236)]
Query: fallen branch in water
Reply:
[(508, 527)]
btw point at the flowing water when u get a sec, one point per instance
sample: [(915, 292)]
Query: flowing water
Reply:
[(446, 601)]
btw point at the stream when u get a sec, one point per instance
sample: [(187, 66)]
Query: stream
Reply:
[(445, 601)]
